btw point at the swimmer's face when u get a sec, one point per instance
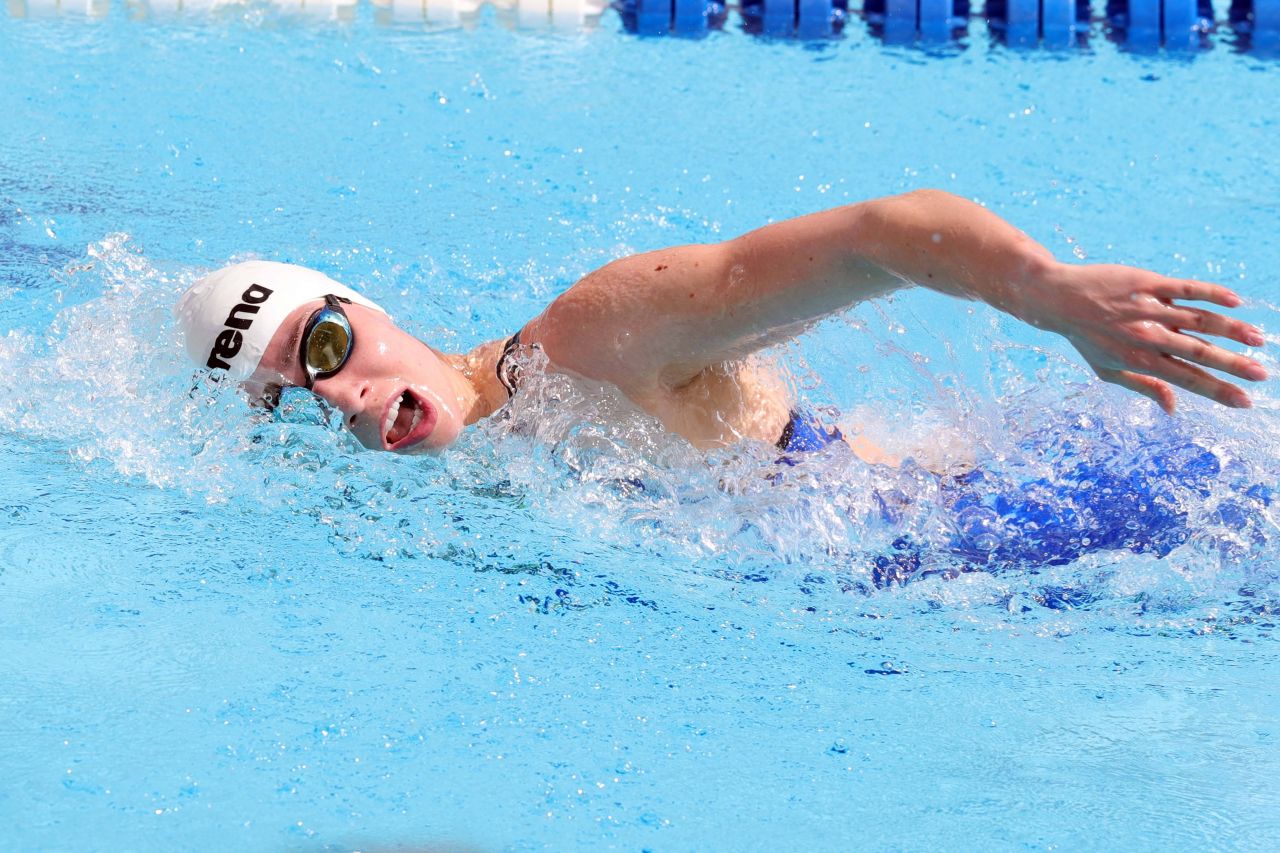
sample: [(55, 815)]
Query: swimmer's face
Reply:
[(395, 392)]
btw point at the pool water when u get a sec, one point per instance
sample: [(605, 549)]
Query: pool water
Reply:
[(222, 631)]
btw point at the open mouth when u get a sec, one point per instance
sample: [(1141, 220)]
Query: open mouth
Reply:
[(406, 422)]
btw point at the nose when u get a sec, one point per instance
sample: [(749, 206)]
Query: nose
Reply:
[(350, 395)]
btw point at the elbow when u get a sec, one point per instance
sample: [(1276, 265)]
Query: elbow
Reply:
[(921, 205), (930, 196)]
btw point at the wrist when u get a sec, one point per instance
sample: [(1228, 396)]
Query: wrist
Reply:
[(1034, 288)]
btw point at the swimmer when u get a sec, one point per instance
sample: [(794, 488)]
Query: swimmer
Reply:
[(674, 329)]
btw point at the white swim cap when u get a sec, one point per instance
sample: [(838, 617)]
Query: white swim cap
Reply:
[(229, 316)]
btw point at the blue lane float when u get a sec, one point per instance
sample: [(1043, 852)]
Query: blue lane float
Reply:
[(937, 19), (902, 21), (695, 16), (1139, 24), (1177, 24), (1062, 20), (1256, 17), (1266, 22), (778, 17), (1022, 21), (1058, 23), (802, 18), (818, 18), (1142, 26), (1180, 23), (660, 17)]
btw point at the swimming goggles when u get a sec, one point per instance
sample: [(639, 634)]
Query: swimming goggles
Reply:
[(327, 340)]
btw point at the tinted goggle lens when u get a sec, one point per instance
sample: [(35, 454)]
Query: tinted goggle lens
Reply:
[(327, 342), (327, 346)]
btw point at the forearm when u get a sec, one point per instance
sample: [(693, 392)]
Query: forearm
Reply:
[(1123, 320), (834, 259), (951, 245)]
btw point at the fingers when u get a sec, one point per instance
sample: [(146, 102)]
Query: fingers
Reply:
[(1209, 323), (1202, 352), (1200, 382), (1147, 386), (1200, 291), (1150, 368)]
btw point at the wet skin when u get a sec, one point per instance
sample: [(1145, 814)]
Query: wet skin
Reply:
[(677, 330), (386, 367)]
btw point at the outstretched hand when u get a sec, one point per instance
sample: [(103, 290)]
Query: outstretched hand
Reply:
[(1130, 328)]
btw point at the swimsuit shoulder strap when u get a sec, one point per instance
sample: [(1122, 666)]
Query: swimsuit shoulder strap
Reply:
[(804, 432), (508, 371)]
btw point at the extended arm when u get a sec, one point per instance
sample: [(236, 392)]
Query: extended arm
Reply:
[(657, 320)]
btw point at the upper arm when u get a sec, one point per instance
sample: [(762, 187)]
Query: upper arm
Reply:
[(660, 318), (629, 320)]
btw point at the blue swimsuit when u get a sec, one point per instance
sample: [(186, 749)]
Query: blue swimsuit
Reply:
[(1137, 503), (803, 433)]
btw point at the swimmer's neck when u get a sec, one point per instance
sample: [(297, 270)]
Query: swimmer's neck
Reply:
[(475, 380)]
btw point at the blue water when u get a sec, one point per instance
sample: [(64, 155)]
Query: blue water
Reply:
[(226, 632)]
